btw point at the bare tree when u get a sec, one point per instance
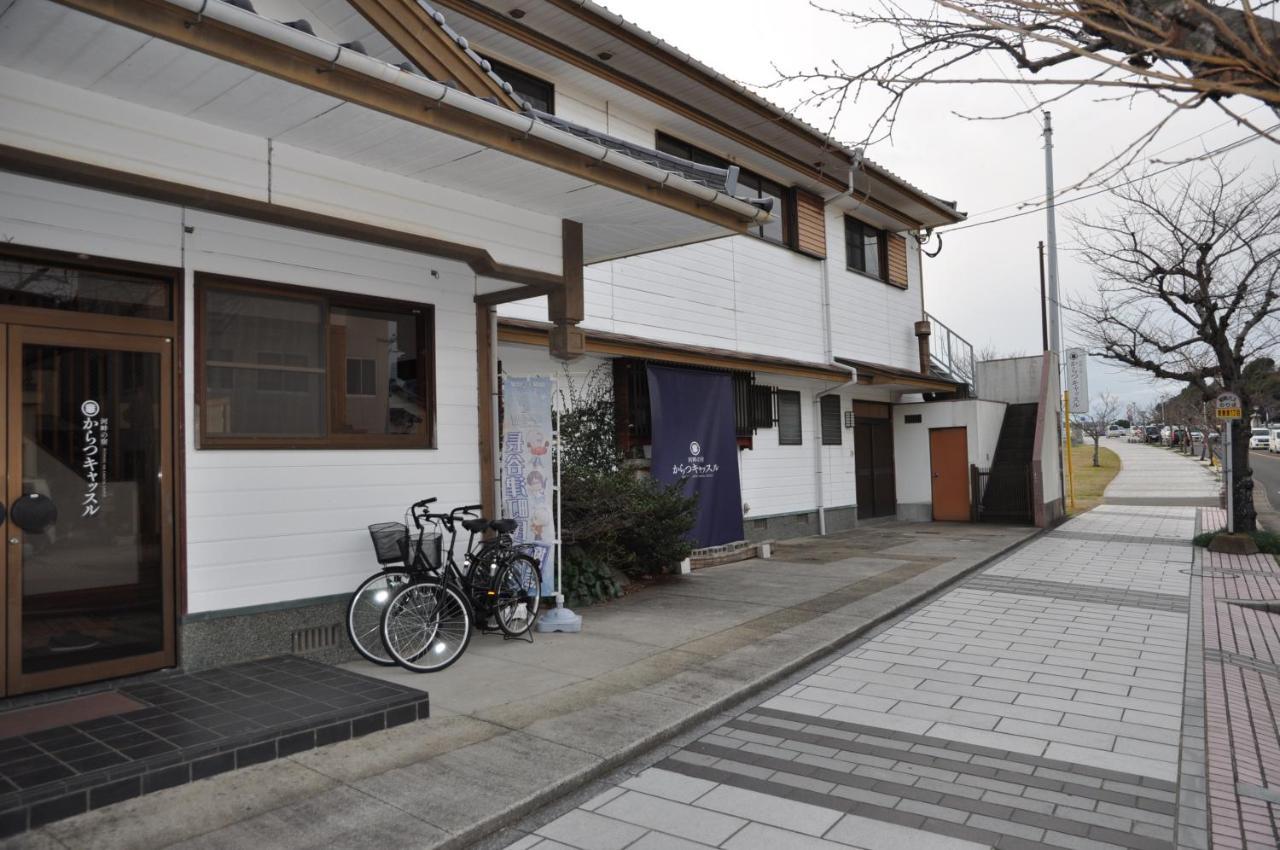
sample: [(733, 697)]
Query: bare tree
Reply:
[(1187, 285), (1093, 425), (991, 352), (1186, 53)]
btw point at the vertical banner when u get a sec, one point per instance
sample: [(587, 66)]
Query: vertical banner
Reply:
[(694, 442), (527, 475)]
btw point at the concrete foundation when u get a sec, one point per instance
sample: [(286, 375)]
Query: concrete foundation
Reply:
[(915, 512), (799, 524), (311, 628)]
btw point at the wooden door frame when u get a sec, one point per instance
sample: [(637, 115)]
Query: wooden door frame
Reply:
[(15, 680), (933, 505), (78, 325)]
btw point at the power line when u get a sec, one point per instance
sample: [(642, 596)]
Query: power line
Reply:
[(1041, 207), (1039, 199)]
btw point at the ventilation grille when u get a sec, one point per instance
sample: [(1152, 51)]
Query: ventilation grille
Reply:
[(316, 637)]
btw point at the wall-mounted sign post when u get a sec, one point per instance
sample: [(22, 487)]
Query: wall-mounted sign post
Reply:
[(1071, 474), (1227, 407)]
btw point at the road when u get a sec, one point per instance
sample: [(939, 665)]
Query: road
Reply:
[(1266, 470)]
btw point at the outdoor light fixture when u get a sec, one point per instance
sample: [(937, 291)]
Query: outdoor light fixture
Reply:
[(604, 55), (848, 419), (516, 13)]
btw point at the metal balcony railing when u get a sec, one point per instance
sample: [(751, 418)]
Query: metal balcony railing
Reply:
[(950, 354)]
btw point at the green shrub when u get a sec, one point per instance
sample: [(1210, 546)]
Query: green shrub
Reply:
[(586, 581), (1268, 542), (626, 521)]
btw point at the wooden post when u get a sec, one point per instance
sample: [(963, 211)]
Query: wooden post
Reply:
[(1071, 476), (487, 400), (566, 305)]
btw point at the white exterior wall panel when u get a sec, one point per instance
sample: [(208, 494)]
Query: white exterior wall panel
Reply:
[(268, 526), (871, 320), (274, 526), (117, 134)]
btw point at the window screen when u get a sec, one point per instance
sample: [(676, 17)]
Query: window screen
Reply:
[(789, 428), (831, 431)]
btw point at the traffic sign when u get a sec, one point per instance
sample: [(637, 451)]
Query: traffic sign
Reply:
[(1078, 379), (1228, 406)]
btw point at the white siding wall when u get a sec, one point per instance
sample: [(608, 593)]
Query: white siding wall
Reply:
[(117, 134), (272, 526), (871, 320), (268, 526), (982, 419), (739, 293)]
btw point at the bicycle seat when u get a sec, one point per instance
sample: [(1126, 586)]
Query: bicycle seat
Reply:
[(503, 526), (475, 525)]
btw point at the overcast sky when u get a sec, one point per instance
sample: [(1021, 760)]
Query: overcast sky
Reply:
[(985, 283)]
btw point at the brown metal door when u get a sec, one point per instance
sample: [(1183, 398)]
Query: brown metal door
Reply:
[(873, 468), (949, 466), (89, 531)]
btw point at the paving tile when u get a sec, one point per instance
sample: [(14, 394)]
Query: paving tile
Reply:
[(878, 835), (590, 831), (664, 783), (774, 811), (758, 836), (683, 821)]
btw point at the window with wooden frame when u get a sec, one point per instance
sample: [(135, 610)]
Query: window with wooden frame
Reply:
[(832, 434), (539, 93), (790, 430), (750, 185), (289, 367), (865, 249)]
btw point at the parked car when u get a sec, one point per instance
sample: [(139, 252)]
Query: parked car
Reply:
[(1260, 438), (1274, 446), (1114, 430), (1197, 437), (1153, 433)]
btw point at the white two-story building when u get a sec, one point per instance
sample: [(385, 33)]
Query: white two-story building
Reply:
[(262, 261)]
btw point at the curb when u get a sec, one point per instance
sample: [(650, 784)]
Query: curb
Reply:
[(573, 782)]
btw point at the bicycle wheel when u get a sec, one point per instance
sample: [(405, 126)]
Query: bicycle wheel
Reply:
[(364, 614), (518, 589), (426, 626)]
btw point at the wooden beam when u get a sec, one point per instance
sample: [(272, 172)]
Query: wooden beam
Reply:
[(79, 173), (214, 38), (598, 344), (566, 306), (424, 43)]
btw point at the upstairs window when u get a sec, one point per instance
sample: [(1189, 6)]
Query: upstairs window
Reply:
[(865, 249), (540, 94), (750, 185), (790, 431)]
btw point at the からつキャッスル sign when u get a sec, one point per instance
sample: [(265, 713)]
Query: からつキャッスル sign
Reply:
[(94, 438)]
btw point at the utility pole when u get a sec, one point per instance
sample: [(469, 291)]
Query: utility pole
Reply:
[(1055, 336)]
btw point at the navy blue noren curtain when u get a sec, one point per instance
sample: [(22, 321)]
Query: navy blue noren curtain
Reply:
[(694, 441)]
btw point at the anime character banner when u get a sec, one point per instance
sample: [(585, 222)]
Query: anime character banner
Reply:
[(694, 444), (528, 480)]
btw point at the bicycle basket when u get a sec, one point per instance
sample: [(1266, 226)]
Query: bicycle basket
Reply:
[(390, 542), (430, 556)]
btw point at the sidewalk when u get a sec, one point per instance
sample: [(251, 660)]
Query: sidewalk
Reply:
[(1153, 475), (1038, 704), (516, 725)]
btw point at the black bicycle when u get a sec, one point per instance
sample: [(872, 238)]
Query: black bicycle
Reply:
[(426, 605)]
